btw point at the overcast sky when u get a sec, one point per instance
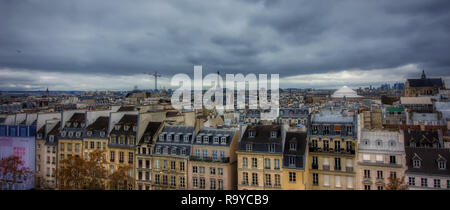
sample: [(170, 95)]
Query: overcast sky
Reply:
[(108, 44)]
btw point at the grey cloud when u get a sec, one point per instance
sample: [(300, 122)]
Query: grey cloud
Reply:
[(252, 36)]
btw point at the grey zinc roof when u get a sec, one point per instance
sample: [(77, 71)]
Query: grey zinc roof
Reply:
[(332, 118), (178, 129)]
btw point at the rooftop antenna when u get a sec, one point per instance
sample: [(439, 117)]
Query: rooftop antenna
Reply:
[(155, 75)]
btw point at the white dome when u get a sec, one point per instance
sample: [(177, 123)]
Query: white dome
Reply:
[(345, 92)]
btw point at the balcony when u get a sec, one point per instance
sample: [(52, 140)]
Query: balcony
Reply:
[(337, 168), (331, 150), (326, 167), (210, 159)]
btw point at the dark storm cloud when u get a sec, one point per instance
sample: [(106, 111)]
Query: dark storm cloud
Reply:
[(252, 36)]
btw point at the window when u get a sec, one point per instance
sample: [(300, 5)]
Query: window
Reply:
[(349, 182), (181, 166), (254, 163), (216, 140), (337, 164), (254, 179), (271, 147), (380, 188), (212, 170), (267, 163), (392, 159), (205, 153), (292, 177), (220, 171), (366, 187), (99, 145), (206, 139), (245, 178), (244, 162), (393, 174), (379, 174), (77, 147), (194, 169), (182, 181), (366, 173), (277, 180), (337, 181), (220, 184), (92, 145), (366, 157), (214, 155), (251, 134), (69, 147), (121, 157), (325, 145), (268, 180), (172, 181), (156, 178), (441, 165), (223, 140), (416, 163), (186, 138), (249, 147), (326, 180), (379, 158), (212, 184), (202, 169), (195, 182), (291, 161), (157, 164), (424, 182), (164, 180), (315, 179), (273, 134), (164, 164), (172, 165), (337, 145), (437, 183), (197, 153), (276, 164), (202, 183), (412, 181)]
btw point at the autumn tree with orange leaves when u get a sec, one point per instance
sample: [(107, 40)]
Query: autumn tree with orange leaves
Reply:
[(120, 178), (12, 171), (396, 183), (79, 174)]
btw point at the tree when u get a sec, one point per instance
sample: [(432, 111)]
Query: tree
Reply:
[(13, 171), (79, 174), (396, 183), (120, 178)]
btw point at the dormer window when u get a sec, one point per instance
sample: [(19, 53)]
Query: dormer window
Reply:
[(416, 163), (134, 128), (174, 151), (51, 138), (183, 151), (78, 134), (158, 150), (216, 140), (126, 127), (177, 138), (186, 138), (392, 143), (273, 134), (206, 139), (63, 133), (251, 134), (68, 124), (161, 137), (82, 125), (169, 137), (223, 140), (249, 147), (75, 124), (70, 133), (39, 136), (271, 147), (379, 143), (102, 134), (89, 133), (292, 146), (117, 127), (442, 165)]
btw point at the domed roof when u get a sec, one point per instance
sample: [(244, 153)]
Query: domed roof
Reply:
[(345, 92)]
